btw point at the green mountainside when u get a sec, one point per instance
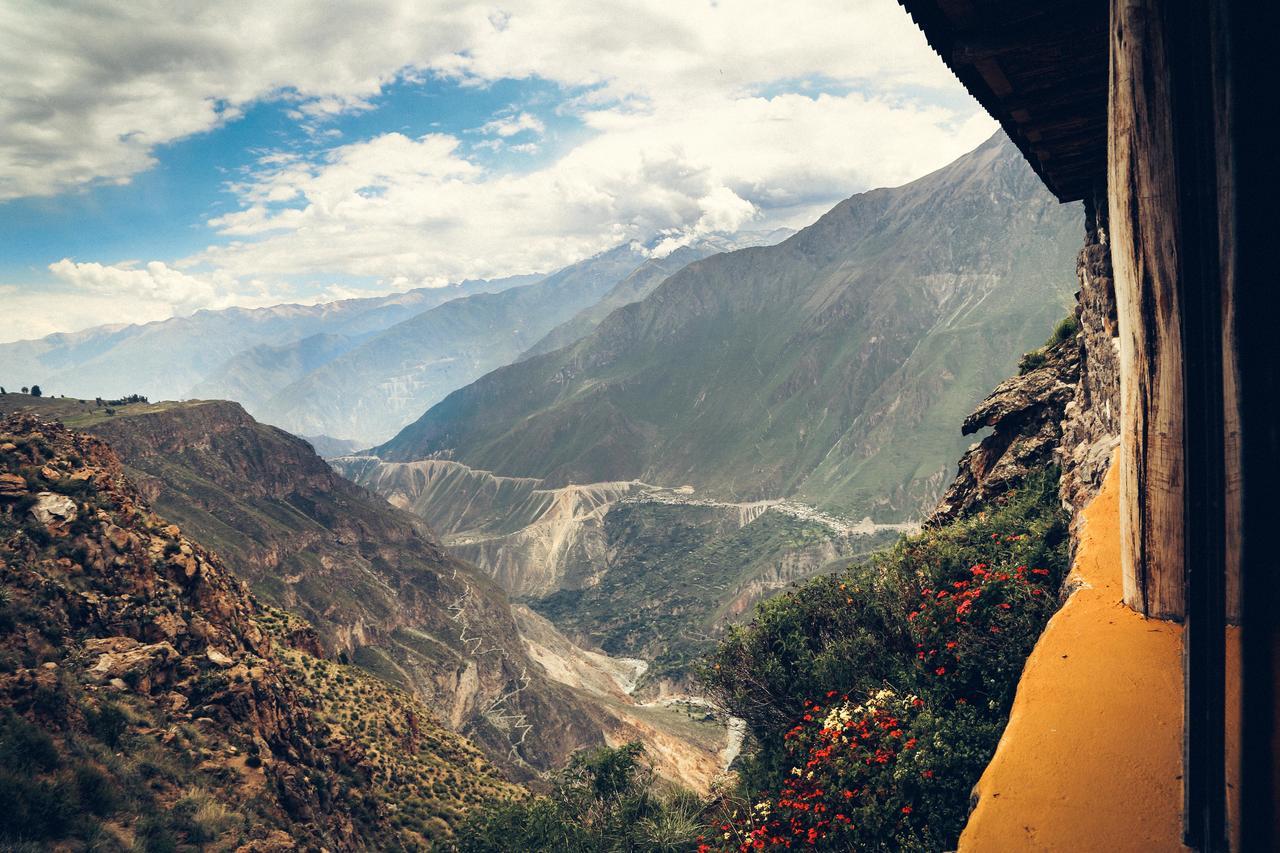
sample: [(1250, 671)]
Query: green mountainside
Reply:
[(642, 282), (832, 367)]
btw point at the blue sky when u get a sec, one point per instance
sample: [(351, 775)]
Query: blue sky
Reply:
[(154, 163), (163, 211)]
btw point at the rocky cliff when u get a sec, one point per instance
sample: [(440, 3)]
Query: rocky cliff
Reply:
[(1062, 408), (147, 699), (372, 579)]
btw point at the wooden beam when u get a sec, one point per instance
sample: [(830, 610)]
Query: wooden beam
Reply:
[(1144, 253), (994, 77)]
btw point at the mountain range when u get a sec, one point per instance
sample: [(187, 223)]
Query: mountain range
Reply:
[(831, 367), (166, 359), (751, 419)]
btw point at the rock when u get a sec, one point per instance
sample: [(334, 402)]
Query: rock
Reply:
[(12, 485), (8, 447), (118, 537), (218, 658), (50, 509), (276, 841), (1025, 413), (139, 664)]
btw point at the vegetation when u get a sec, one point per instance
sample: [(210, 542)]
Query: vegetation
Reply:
[(876, 696), (605, 800), (674, 573), (1067, 328)]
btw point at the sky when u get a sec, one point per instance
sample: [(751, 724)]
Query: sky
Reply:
[(161, 158)]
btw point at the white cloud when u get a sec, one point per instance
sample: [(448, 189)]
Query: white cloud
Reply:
[(508, 126), (399, 208), (154, 282), (699, 114), (91, 88)]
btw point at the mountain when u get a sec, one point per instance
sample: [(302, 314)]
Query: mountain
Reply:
[(148, 701), (370, 392), (254, 376), (377, 587), (641, 283), (371, 579), (831, 367), (165, 359)]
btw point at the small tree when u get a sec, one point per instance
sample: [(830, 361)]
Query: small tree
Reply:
[(26, 390), (35, 391)]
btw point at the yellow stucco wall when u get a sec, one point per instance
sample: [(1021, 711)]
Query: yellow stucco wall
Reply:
[(1092, 756)]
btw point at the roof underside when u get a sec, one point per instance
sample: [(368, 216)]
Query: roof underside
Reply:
[(1039, 68)]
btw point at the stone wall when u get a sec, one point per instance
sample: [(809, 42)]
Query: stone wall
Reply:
[(1091, 421)]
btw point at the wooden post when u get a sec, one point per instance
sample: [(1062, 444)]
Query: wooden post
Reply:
[(1143, 206)]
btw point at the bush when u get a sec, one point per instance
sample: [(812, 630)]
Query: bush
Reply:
[(96, 792), (107, 723), (24, 748), (947, 618), (34, 810), (605, 800)]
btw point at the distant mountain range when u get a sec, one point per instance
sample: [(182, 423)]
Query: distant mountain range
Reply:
[(355, 370), (166, 359), (832, 367)]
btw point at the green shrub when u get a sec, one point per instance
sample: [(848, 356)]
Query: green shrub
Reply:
[(107, 723), (605, 800), (879, 693), (25, 748), (95, 791), (35, 810)]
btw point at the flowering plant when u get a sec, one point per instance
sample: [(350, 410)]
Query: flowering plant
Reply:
[(973, 634), (883, 773)]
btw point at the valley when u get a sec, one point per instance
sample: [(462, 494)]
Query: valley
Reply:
[(582, 485)]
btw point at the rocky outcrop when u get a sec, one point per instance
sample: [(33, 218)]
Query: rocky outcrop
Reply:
[(1064, 409), (100, 588), (1025, 415), (113, 614)]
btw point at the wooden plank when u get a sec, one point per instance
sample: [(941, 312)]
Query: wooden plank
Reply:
[(1143, 203)]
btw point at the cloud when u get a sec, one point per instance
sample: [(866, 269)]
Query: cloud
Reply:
[(508, 126), (395, 208), (156, 290), (698, 117), (154, 282), (91, 88)]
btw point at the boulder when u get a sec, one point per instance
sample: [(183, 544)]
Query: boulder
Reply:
[(130, 661), (50, 509)]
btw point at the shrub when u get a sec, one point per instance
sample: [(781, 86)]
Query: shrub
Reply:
[(24, 748), (946, 617), (96, 792), (107, 723), (34, 810), (606, 799)]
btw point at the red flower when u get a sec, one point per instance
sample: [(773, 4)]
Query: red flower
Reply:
[(906, 809)]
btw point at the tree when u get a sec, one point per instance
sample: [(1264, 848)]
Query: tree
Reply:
[(35, 391), (25, 389)]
